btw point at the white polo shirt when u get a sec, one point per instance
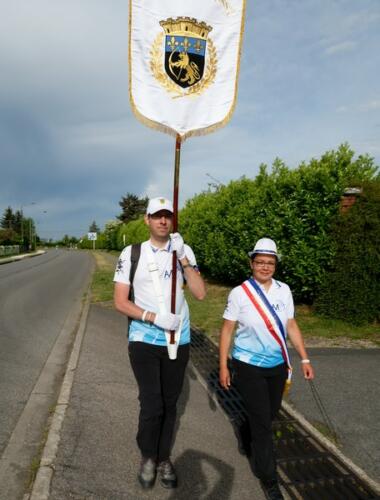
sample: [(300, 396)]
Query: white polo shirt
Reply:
[(145, 296), (253, 343)]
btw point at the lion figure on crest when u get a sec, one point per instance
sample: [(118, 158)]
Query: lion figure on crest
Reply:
[(191, 69)]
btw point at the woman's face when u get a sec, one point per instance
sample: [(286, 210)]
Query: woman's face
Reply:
[(263, 267)]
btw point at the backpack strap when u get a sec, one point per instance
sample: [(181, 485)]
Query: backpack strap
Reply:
[(135, 256)]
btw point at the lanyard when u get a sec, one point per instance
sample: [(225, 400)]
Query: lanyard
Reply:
[(157, 287)]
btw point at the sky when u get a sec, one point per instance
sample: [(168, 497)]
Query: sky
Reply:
[(70, 147)]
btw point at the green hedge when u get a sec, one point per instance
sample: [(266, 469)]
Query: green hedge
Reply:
[(351, 288), (135, 231), (295, 207), (100, 242)]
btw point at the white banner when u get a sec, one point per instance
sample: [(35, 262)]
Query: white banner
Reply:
[(184, 61)]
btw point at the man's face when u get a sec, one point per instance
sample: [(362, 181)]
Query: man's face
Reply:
[(160, 223)]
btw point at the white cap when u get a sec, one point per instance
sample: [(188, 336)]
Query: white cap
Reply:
[(267, 246), (157, 204)]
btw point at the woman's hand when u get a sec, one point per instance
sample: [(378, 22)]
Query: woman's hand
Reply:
[(224, 347), (308, 371), (224, 377)]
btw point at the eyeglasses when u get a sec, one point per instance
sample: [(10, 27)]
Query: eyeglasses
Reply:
[(261, 263)]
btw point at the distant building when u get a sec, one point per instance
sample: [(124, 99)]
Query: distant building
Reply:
[(348, 198)]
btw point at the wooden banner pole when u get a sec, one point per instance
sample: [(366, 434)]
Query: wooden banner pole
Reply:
[(175, 226)]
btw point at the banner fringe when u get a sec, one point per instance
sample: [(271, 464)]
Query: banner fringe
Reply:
[(191, 133)]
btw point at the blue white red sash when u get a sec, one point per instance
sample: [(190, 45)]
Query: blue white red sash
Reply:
[(269, 316)]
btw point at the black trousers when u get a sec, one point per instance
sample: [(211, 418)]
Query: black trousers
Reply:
[(160, 381), (261, 390)]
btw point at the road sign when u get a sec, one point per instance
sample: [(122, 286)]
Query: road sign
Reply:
[(92, 236)]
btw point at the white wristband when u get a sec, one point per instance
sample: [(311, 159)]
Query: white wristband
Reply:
[(305, 361), (144, 316)]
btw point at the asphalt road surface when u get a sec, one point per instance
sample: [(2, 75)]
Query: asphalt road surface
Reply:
[(40, 298)]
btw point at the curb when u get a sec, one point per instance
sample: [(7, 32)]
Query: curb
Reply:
[(15, 258), (375, 486), (41, 486)]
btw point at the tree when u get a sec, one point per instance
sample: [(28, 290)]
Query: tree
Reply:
[(8, 237), (8, 219), (68, 241), (18, 221), (133, 207), (94, 228)]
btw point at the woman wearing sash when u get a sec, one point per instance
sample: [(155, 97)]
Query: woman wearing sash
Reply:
[(263, 310)]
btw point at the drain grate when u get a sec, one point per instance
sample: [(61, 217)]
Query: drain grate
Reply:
[(307, 469)]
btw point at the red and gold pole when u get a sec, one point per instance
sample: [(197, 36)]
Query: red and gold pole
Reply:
[(175, 225)]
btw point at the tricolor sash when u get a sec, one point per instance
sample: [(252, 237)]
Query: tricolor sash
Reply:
[(268, 314)]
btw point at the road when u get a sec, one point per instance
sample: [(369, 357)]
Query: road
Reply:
[(40, 301)]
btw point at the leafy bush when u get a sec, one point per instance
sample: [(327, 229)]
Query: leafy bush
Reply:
[(350, 289), (135, 231), (9, 237), (111, 229), (100, 242), (294, 207)]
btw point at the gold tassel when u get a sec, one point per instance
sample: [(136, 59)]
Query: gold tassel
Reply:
[(288, 383)]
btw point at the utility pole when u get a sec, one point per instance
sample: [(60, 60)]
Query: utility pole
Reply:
[(22, 222)]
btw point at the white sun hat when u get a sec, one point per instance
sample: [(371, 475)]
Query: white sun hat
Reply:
[(157, 204), (266, 246)]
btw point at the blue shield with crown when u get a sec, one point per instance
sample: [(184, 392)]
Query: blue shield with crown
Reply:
[(185, 49)]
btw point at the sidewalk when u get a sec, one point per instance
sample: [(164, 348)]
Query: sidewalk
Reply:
[(98, 456), (347, 381)]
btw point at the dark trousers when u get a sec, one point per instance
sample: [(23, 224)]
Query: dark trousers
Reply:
[(261, 390), (160, 381)]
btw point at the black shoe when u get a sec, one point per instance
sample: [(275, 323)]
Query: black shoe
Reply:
[(272, 490), (166, 472), (147, 473)]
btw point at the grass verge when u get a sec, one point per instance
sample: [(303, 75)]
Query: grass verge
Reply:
[(102, 280), (207, 314)]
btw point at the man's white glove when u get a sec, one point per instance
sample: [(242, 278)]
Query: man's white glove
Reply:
[(167, 321), (178, 245)]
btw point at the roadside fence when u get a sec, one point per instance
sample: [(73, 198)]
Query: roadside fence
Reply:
[(6, 250)]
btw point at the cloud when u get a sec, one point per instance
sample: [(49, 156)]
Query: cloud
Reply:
[(69, 141), (371, 105), (340, 47)]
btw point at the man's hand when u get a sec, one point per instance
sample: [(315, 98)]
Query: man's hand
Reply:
[(167, 321), (178, 245)]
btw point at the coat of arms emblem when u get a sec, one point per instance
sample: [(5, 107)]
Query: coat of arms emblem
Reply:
[(184, 57)]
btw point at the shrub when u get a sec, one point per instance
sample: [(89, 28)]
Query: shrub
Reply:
[(350, 289), (134, 232), (294, 207)]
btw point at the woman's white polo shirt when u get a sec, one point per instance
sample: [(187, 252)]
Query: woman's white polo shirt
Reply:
[(253, 343)]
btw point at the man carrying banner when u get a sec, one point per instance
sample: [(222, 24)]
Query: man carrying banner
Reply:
[(264, 310), (158, 366)]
